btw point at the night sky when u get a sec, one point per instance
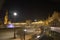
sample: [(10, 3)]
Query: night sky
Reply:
[(30, 9)]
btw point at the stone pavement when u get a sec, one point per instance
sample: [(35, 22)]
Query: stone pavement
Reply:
[(11, 39), (16, 39)]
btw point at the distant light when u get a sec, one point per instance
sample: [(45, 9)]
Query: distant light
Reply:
[(35, 20), (38, 36), (15, 14), (25, 30)]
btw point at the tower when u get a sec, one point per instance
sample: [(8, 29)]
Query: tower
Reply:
[(55, 15), (6, 17)]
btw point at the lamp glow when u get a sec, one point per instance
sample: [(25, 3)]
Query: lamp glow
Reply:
[(15, 14), (25, 30), (38, 36)]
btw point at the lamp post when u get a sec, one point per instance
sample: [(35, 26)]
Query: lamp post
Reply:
[(24, 33), (15, 14)]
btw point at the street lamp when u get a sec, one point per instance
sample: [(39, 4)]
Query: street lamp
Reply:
[(24, 33), (15, 14)]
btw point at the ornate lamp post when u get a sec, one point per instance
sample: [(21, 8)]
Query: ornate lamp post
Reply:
[(15, 14)]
